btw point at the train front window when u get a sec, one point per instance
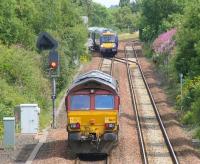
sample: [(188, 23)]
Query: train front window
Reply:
[(103, 102), (80, 102), (108, 38)]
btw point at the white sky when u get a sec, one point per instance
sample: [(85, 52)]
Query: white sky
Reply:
[(107, 3)]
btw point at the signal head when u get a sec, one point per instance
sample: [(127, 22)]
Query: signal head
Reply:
[(53, 65)]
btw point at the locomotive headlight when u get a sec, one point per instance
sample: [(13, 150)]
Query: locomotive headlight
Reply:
[(114, 45), (102, 46), (92, 91), (109, 125), (75, 126)]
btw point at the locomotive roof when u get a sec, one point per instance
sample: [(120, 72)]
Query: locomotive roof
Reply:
[(98, 29), (108, 33), (96, 76)]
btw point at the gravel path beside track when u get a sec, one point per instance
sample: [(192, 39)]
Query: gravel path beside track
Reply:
[(23, 148)]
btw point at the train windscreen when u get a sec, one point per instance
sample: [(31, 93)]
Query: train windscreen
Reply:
[(103, 102), (108, 38), (80, 102)]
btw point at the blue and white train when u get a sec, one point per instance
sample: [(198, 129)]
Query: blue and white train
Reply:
[(103, 40)]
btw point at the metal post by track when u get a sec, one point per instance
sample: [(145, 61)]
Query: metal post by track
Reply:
[(53, 97)]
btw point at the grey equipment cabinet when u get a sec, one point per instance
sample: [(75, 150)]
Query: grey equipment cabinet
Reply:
[(9, 132)]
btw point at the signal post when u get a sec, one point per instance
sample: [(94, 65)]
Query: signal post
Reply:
[(47, 42), (54, 72)]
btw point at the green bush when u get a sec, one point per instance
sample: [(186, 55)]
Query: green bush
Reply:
[(148, 52), (21, 81), (188, 41), (153, 15), (191, 101), (24, 74)]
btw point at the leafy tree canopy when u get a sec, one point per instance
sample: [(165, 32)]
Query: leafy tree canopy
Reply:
[(188, 40), (123, 3), (153, 12)]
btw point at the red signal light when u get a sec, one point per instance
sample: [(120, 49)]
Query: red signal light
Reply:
[(53, 65)]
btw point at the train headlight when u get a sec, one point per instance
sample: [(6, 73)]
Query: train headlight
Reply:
[(75, 126), (102, 45), (114, 45), (109, 125)]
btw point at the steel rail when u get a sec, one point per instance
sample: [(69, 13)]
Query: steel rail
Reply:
[(133, 97), (135, 62), (101, 63), (162, 127), (112, 67)]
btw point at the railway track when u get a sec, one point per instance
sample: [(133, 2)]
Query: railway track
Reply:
[(147, 115), (134, 102), (154, 141), (106, 65), (106, 161)]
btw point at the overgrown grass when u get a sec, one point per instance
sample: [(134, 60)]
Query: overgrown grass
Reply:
[(45, 118), (147, 50), (22, 81)]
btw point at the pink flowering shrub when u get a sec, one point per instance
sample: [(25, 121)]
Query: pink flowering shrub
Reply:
[(164, 43)]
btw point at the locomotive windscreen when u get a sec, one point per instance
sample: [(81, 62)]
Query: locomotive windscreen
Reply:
[(78, 102), (108, 38), (104, 102)]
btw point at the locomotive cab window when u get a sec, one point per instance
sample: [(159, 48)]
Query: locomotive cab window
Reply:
[(80, 102), (108, 39), (103, 102)]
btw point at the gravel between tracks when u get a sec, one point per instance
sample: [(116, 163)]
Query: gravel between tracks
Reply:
[(157, 151), (128, 149)]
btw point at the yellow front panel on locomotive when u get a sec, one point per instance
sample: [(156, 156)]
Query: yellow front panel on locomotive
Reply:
[(93, 121)]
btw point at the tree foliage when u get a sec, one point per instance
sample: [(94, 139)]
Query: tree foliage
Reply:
[(124, 19), (117, 18), (188, 41), (23, 71), (153, 13), (191, 101), (188, 63), (123, 3), (100, 16), (158, 16)]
